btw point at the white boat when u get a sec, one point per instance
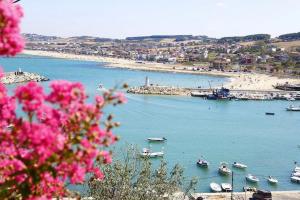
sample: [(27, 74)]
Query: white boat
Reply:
[(293, 108), (215, 187), (202, 163), (295, 179), (226, 187), (290, 99), (272, 180), (101, 88), (297, 169), (223, 169), (297, 173), (239, 165), (249, 189), (157, 139), (147, 153), (252, 178)]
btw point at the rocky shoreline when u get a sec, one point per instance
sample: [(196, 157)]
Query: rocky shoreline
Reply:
[(22, 77)]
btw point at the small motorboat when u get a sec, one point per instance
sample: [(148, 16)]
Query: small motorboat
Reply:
[(147, 153), (252, 178), (270, 113), (249, 189), (272, 180), (101, 88), (202, 163), (226, 187), (293, 108), (215, 187), (295, 179), (162, 139), (239, 165), (290, 99), (223, 169)]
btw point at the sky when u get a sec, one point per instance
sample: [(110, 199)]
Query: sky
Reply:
[(124, 18)]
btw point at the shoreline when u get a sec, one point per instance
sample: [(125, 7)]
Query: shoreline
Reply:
[(237, 80)]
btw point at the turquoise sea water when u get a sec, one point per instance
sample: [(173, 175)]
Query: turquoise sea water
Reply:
[(220, 130)]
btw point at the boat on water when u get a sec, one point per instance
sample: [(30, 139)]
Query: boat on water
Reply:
[(215, 187), (101, 88), (148, 153), (290, 99), (293, 108), (239, 165), (162, 139), (270, 113), (272, 180), (226, 187), (223, 169), (252, 178), (295, 179), (202, 163), (217, 94), (249, 189)]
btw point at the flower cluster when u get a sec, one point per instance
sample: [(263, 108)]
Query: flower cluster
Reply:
[(11, 42), (57, 141)]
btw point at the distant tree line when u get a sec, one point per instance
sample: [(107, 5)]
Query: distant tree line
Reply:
[(247, 38), (290, 36)]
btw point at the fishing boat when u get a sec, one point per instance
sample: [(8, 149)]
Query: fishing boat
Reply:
[(293, 108), (223, 169), (226, 187), (162, 139), (272, 180), (239, 165), (215, 187), (202, 163), (252, 178), (249, 189), (147, 153), (270, 113), (295, 179)]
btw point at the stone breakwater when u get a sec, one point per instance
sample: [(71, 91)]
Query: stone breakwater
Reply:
[(160, 90), (204, 93), (15, 77)]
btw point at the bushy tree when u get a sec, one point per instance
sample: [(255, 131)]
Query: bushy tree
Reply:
[(132, 177)]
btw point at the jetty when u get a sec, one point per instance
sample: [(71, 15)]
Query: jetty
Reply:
[(21, 77), (206, 93)]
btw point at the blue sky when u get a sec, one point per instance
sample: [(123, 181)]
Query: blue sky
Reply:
[(123, 18)]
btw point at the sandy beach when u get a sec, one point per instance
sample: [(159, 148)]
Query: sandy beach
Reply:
[(238, 81)]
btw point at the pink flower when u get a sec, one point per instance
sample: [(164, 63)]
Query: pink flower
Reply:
[(11, 41)]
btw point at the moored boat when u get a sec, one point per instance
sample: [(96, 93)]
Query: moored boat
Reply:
[(239, 165), (162, 139), (202, 163), (226, 187), (295, 179), (252, 178), (215, 187), (272, 180), (249, 189), (270, 113), (223, 169), (147, 153), (293, 108)]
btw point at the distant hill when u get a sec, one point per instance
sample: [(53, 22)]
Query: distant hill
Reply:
[(247, 38), (163, 37), (290, 36), (36, 37)]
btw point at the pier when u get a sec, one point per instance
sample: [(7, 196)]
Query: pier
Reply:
[(204, 93), (22, 77)]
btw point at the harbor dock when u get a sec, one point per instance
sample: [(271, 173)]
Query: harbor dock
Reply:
[(204, 93)]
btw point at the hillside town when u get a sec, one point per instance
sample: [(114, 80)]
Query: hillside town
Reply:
[(259, 53)]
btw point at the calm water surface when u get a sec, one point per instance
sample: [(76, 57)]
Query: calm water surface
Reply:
[(220, 130)]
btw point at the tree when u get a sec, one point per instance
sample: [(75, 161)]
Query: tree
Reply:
[(133, 178)]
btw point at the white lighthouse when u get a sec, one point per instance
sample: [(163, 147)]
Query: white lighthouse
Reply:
[(147, 82)]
